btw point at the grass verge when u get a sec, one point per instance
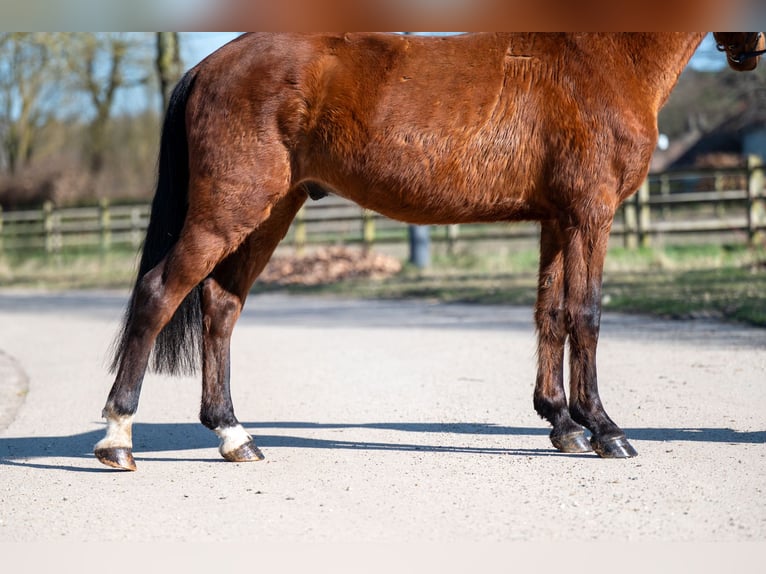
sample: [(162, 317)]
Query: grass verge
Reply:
[(71, 269)]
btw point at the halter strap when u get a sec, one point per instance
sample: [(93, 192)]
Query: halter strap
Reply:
[(742, 56)]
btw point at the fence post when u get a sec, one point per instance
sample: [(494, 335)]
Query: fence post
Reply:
[(368, 228), (756, 202), (1, 231), (135, 227), (665, 192), (48, 227), (299, 238), (105, 226), (720, 187), (453, 232), (643, 214), (630, 218)]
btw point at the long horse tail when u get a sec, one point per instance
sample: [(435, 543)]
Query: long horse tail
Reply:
[(177, 349)]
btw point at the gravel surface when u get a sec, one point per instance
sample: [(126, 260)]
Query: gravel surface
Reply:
[(381, 421)]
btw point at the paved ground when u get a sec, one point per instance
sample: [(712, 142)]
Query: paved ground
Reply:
[(381, 421)]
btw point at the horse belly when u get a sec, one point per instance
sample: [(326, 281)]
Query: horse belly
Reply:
[(432, 183), (444, 204)]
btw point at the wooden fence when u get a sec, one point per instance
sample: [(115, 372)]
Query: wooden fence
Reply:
[(705, 205), (700, 203)]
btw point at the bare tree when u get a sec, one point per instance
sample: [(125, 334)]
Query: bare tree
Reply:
[(102, 64), (29, 68)]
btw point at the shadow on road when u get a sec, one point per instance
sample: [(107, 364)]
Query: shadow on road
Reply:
[(165, 437)]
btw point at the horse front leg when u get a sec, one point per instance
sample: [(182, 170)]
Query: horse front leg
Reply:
[(584, 253), (550, 400)]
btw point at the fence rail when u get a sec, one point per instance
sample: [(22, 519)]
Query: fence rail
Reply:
[(730, 201)]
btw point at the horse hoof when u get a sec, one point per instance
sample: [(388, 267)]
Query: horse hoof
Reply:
[(116, 457), (571, 443), (615, 447), (247, 452)]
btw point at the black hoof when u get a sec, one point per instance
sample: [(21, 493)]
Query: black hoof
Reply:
[(571, 443), (120, 457), (248, 452), (614, 447)]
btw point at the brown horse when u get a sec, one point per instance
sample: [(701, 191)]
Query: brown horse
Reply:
[(557, 128)]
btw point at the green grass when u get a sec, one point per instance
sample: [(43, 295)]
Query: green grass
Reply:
[(680, 282), (684, 282)]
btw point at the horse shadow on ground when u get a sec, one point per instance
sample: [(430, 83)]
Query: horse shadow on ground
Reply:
[(153, 438)]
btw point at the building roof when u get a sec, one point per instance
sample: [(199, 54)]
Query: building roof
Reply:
[(720, 146)]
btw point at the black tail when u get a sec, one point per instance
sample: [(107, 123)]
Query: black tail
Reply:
[(178, 346)]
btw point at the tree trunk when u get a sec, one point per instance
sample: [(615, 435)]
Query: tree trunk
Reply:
[(168, 62)]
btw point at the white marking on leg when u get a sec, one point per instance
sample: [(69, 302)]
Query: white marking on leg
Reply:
[(232, 438), (119, 433)]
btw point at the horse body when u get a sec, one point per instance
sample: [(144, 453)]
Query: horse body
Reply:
[(557, 128), (403, 126)]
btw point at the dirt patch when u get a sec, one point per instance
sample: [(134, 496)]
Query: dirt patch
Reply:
[(328, 265)]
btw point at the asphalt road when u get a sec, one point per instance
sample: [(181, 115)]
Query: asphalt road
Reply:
[(381, 421)]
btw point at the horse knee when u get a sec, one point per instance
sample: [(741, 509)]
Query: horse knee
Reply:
[(583, 320), (550, 323)]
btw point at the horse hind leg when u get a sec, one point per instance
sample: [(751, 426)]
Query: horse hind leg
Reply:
[(150, 298), (550, 400), (221, 308), (223, 296), (156, 297)]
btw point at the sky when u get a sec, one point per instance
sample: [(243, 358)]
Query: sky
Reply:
[(196, 45)]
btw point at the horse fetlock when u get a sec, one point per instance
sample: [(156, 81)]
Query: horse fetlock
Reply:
[(551, 409), (119, 431), (592, 417)]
